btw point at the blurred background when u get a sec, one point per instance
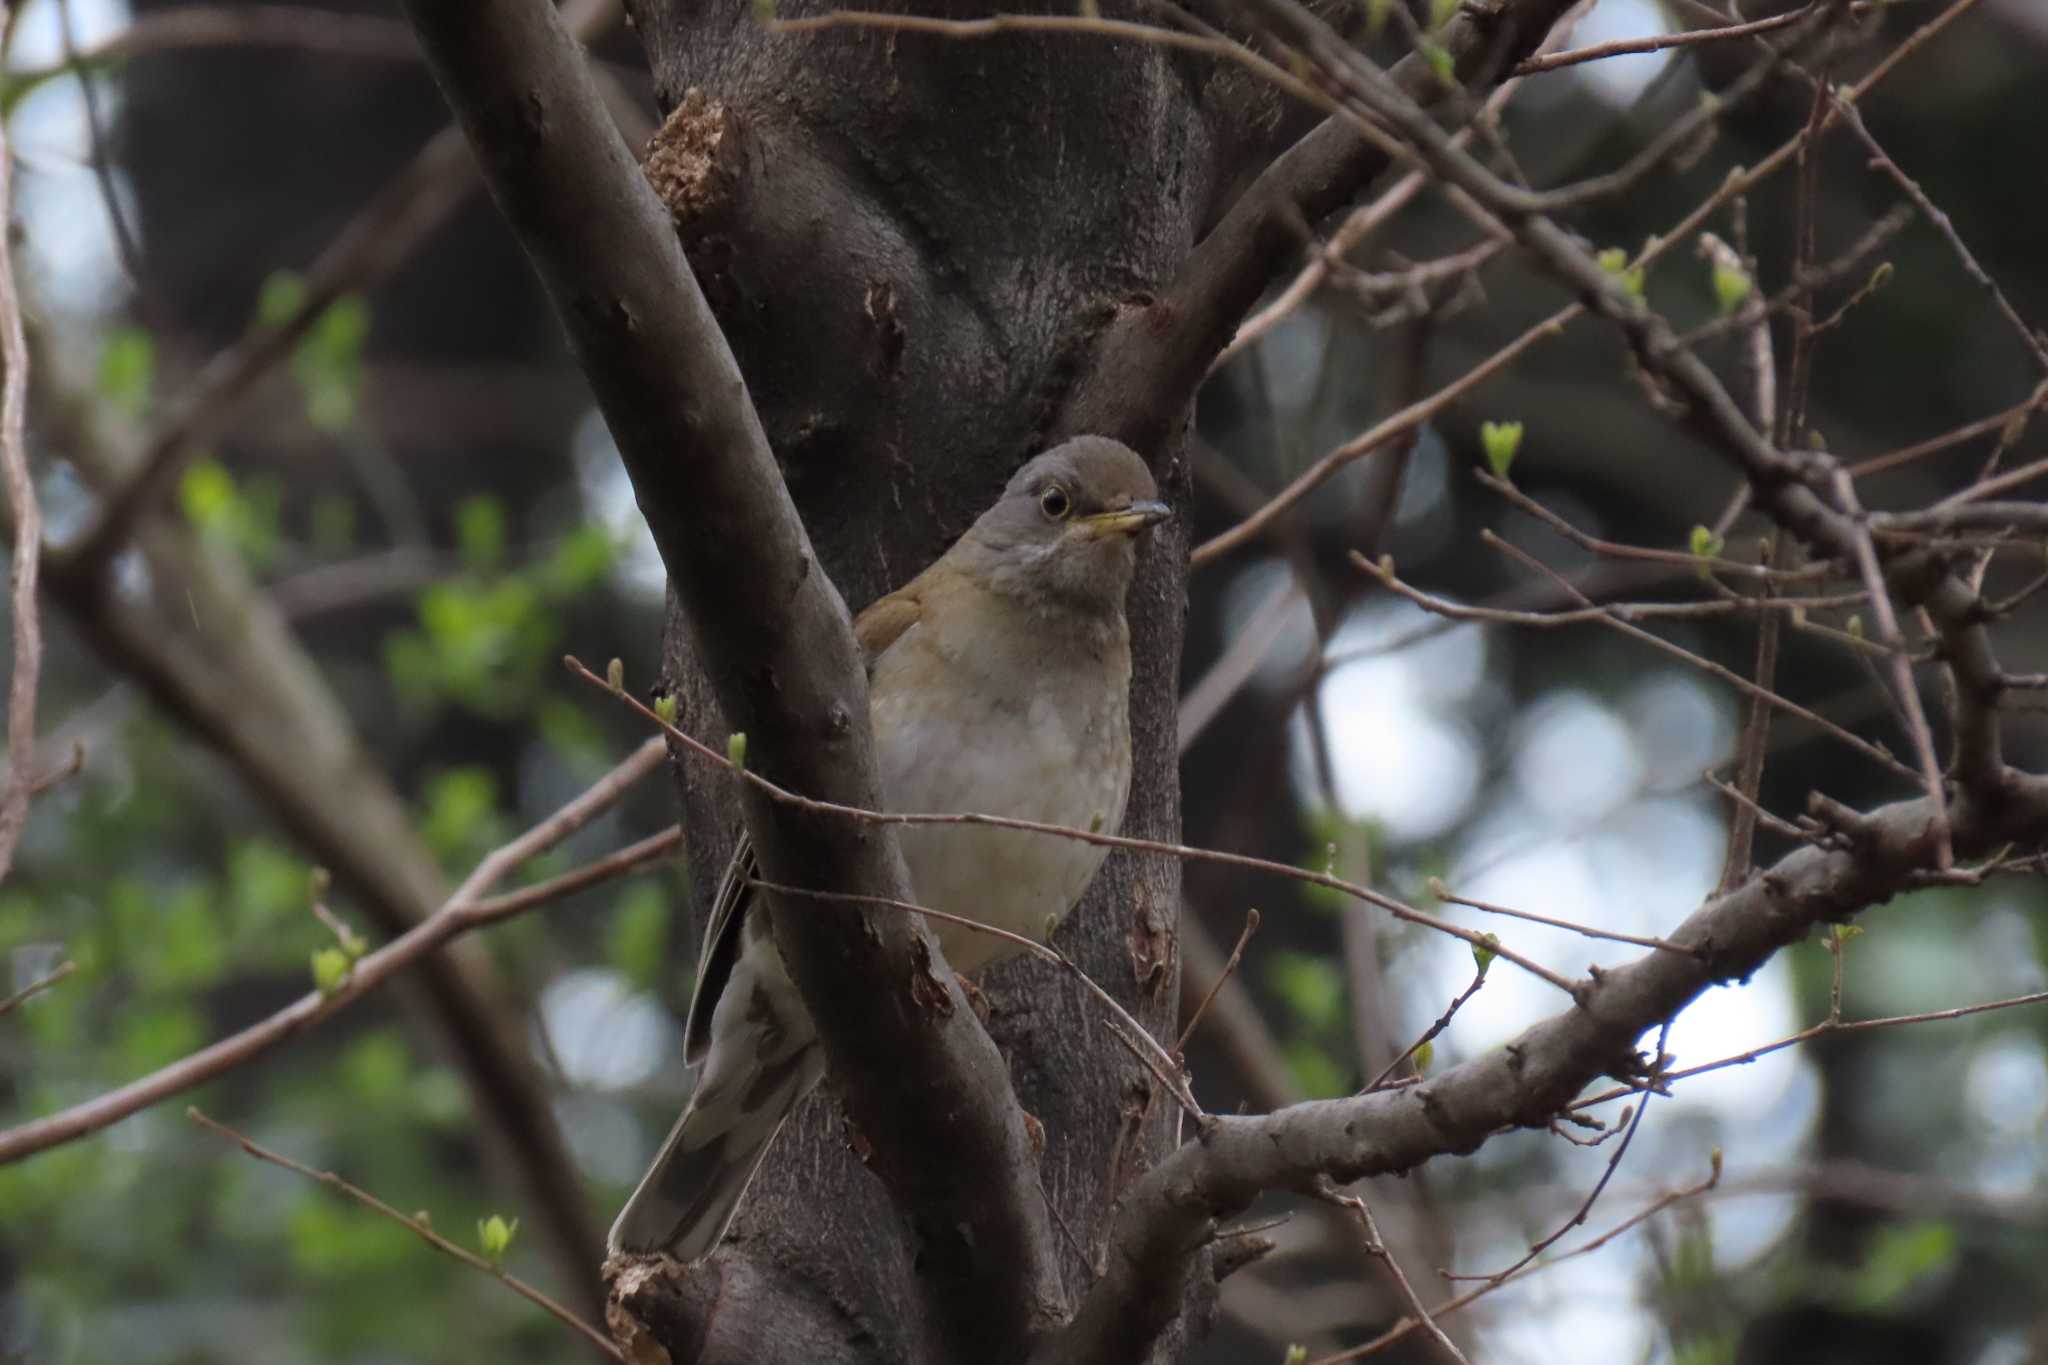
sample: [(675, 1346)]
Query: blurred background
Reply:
[(425, 502)]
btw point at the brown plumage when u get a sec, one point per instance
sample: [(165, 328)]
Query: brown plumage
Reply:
[(999, 682)]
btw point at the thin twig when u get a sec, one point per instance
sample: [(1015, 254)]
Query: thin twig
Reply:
[(1443, 1021), (455, 917), (1808, 1034), (1376, 1247), (418, 1225), (1449, 1306), (1902, 667), (1611, 935), (1726, 675), (37, 987), (1943, 225), (1251, 926), (1161, 1063), (1398, 909), (1654, 1084)]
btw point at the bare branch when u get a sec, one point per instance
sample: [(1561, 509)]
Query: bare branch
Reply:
[(418, 1226), (26, 514), (459, 915)]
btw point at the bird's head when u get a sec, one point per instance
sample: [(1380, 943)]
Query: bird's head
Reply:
[(1064, 533)]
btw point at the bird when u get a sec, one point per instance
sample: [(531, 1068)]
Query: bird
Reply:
[(999, 684)]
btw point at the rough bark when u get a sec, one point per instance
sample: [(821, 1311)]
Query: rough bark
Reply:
[(912, 244)]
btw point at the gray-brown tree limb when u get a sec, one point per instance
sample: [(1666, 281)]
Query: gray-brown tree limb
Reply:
[(919, 1077)]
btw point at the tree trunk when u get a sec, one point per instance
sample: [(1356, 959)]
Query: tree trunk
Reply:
[(912, 243)]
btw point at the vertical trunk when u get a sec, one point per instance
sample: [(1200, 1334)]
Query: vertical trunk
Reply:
[(911, 242)]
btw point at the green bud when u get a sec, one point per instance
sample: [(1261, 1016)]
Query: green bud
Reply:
[(1295, 1355), (615, 675), (1424, 1051), (1881, 276), (330, 971), (353, 945), (665, 709), (1441, 62), (1500, 440), (1854, 625), (736, 749), (1705, 544), (494, 1236), (1484, 951), (319, 880), (1614, 260), (1437, 890), (1731, 287)]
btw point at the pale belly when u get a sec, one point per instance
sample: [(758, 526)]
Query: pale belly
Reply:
[(1063, 762)]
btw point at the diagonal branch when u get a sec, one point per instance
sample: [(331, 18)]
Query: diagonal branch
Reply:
[(1172, 1213), (919, 1077)]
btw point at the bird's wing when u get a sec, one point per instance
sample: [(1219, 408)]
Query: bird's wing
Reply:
[(885, 621)]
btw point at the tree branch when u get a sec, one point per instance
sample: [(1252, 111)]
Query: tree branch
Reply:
[(1148, 364), (25, 512), (918, 1076), (463, 911), (1174, 1211)]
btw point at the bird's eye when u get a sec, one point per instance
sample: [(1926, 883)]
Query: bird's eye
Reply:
[(1055, 503)]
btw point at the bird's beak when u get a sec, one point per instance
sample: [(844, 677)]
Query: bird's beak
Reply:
[(1128, 520)]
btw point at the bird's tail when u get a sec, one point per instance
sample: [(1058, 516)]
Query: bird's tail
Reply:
[(744, 1095)]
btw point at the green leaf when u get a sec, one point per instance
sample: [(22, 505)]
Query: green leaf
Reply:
[(637, 940), (1311, 986), (494, 1237), (207, 493), (1424, 1052), (480, 531), (1500, 440), (1900, 1256), (127, 370), (1705, 545), (580, 561), (330, 970), (1731, 287), (736, 749), (282, 296), (1441, 63), (1614, 260), (328, 363), (462, 806), (665, 708), (1485, 951)]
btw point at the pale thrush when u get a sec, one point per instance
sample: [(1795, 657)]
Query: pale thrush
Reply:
[(999, 683)]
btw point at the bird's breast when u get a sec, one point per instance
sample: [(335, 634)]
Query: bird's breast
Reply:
[(1045, 745)]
